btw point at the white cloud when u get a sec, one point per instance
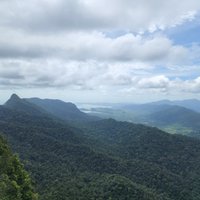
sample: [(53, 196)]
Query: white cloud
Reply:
[(191, 86), (154, 82), (137, 15), (58, 73), (89, 75), (91, 46), (97, 45)]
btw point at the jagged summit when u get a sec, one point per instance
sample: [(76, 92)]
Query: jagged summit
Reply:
[(13, 100), (19, 104), (14, 96), (53, 108)]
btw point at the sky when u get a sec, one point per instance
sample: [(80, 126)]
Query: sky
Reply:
[(100, 50)]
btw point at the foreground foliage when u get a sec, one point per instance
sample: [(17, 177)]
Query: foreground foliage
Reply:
[(15, 183)]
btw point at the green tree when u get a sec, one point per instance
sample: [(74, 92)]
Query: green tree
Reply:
[(15, 182)]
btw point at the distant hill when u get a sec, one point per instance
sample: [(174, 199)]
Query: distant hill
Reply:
[(64, 110), (144, 109), (177, 115), (192, 104)]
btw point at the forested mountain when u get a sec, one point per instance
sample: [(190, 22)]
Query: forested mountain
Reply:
[(21, 105), (64, 110), (103, 159), (15, 183)]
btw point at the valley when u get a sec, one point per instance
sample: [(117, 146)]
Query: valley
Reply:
[(176, 117)]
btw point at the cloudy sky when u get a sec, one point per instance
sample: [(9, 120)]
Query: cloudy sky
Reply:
[(100, 50)]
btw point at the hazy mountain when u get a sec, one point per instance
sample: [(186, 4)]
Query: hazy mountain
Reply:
[(177, 115), (192, 104), (63, 110), (144, 109), (162, 114)]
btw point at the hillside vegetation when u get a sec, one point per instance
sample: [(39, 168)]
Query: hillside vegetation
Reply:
[(102, 159)]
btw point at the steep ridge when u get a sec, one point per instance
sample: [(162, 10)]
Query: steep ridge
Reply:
[(63, 110), (21, 105)]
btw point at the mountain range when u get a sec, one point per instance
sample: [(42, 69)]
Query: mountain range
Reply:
[(193, 104), (63, 110), (182, 117), (85, 158)]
